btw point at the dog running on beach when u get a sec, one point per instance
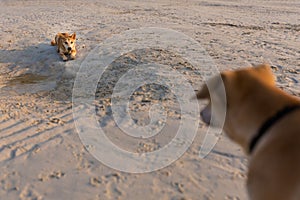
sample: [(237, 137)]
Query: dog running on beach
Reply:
[(264, 120), (65, 45)]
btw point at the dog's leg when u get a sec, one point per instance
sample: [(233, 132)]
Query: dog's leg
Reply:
[(73, 54), (63, 56)]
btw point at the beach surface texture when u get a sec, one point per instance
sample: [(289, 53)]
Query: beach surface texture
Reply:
[(137, 63)]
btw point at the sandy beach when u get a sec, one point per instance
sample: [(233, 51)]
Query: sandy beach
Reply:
[(42, 155)]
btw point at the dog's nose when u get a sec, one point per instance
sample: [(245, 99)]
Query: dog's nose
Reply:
[(202, 113), (205, 117), (69, 48)]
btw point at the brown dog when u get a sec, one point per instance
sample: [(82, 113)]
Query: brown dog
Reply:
[(65, 45), (265, 121)]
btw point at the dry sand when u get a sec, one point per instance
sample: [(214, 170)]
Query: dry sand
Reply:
[(41, 156)]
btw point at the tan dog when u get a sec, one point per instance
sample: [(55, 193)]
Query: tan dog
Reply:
[(65, 45), (265, 121)]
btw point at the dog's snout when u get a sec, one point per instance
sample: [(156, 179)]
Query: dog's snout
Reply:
[(69, 48), (202, 113), (206, 115)]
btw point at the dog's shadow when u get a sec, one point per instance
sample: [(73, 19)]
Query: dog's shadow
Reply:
[(37, 58), (37, 67)]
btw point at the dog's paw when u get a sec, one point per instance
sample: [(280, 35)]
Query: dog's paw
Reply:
[(72, 57), (65, 59)]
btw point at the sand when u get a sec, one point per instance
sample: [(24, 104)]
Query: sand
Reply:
[(41, 154)]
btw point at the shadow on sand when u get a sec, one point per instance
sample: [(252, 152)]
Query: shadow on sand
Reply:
[(30, 70)]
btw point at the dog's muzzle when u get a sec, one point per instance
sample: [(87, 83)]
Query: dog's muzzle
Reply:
[(206, 115)]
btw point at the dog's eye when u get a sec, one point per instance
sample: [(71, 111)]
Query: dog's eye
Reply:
[(71, 42), (66, 42)]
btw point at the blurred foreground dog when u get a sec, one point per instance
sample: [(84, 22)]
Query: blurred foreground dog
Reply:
[(265, 121), (65, 45)]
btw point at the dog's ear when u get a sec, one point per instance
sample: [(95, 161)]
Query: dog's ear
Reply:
[(264, 71), (73, 36)]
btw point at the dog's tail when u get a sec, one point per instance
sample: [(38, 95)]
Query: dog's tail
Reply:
[(53, 42)]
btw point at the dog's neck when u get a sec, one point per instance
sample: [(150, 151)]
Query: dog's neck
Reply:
[(269, 123), (258, 108)]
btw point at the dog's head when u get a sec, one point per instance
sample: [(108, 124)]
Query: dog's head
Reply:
[(69, 41), (214, 92), (229, 98)]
